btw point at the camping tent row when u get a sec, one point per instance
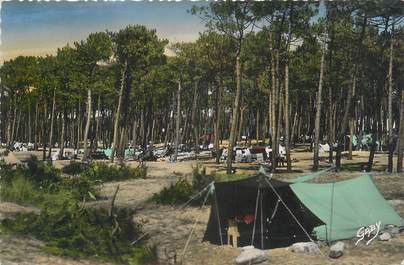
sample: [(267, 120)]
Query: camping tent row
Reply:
[(269, 213)]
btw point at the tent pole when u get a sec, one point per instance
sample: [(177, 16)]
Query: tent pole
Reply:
[(218, 220), (287, 208), (255, 217), (332, 208), (262, 225)]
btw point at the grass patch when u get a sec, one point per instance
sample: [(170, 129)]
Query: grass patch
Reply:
[(20, 190)]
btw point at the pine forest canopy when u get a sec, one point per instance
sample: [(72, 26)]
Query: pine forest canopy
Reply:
[(262, 69)]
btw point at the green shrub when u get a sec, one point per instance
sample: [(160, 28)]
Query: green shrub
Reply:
[(6, 171), (40, 172), (104, 172), (80, 188), (176, 193), (75, 168), (19, 190)]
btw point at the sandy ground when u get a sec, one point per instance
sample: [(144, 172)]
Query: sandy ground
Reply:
[(169, 227)]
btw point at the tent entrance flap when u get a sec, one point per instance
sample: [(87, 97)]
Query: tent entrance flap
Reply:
[(345, 206)]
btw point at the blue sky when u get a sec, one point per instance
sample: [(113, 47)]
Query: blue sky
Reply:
[(38, 28)]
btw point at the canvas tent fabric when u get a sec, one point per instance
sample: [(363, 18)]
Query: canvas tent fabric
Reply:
[(345, 206), (236, 202)]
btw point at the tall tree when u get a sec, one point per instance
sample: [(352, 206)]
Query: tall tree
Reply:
[(97, 47), (318, 107), (232, 19)]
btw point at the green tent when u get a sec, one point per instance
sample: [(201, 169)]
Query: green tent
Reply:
[(345, 206)]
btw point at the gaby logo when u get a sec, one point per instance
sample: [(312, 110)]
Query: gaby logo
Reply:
[(367, 232)]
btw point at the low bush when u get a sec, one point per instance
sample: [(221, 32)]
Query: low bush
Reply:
[(75, 168), (72, 230), (6, 172), (182, 190), (40, 172), (104, 172), (80, 188), (20, 190), (176, 193)]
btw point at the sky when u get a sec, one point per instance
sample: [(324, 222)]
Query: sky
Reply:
[(39, 28)]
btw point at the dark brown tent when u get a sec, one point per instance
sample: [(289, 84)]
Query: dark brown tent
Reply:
[(262, 218)]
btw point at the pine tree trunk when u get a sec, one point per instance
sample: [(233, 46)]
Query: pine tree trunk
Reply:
[(351, 135), (88, 122), (280, 116), (45, 117), (152, 132), (29, 120), (241, 123), (118, 112), (234, 118), (51, 124), (274, 103), (270, 117), (341, 135), (330, 126), (134, 135), (257, 126), (318, 111), (193, 116), (17, 128), (177, 123), (401, 136), (78, 121), (390, 107), (9, 123), (121, 146), (62, 135), (97, 128), (293, 132), (14, 120), (168, 129), (217, 121), (287, 136), (36, 127), (184, 130), (142, 127)]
